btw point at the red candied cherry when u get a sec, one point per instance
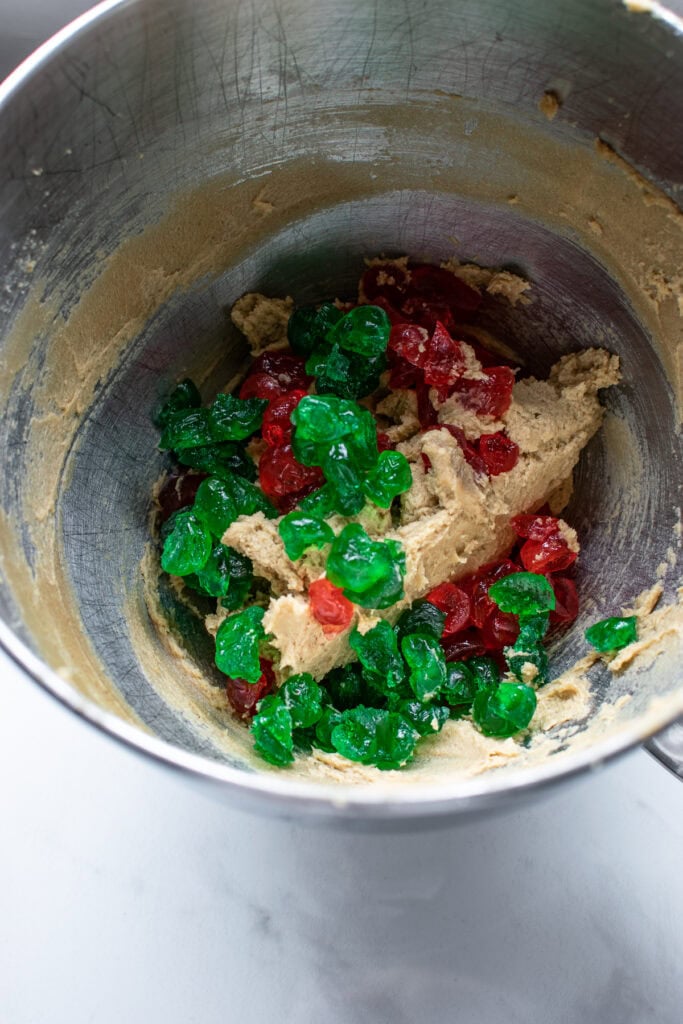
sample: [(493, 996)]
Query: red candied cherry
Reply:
[(455, 602), (384, 442), (402, 374), (384, 281), (274, 373), (277, 425), (490, 396), (441, 285), (499, 630), (410, 342), (395, 315), (178, 492), (427, 314), (329, 607), (426, 413), (566, 600), (469, 450), (478, 587), (552, 554), (500, 454), (260, 385), (464, 645), (281, 476), (445, 360), (534, 527), (244, 696)]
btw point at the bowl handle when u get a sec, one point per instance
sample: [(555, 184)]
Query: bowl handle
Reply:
[(667, 747)]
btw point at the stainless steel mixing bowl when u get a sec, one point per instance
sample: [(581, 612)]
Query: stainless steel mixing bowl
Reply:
[(161, 157)]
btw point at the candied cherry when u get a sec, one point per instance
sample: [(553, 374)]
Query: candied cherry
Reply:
[(566, 600), (273, 374), (499, 452), (386, 281), (282, 477), (384, 442), (462, 646), (552, 554), (469, 450), (410, 342), (455, 602), (445, 361), (277, 426), (395, 315), (441, 285), (178, 492), (490, 396), (534, 527), (499, 630), (244, 696), (478, 587), (329, 607), (402, 374), (426, 413)]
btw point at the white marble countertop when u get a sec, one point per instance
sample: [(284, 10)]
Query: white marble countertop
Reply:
[(126, 896)]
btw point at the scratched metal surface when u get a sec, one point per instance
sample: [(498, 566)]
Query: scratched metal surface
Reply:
[(202, 89)]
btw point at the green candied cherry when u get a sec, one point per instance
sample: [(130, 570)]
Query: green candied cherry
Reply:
[(523, 593), (344, 685), (241, 579), (375, 736), (319, 503), (389, 588), (309, 325), (355, 561), (461, 686), (378, 653), (189, 429), (228, 574), (362, 440), (361, 380), (213, 578), (215, 505), (324, 727), (532, 628), (187, 546), (613, 634), (272, 730), (390, 477), (223, 458), (425, 659), (335, 367), (344, 477), (318, 419), (219, 502), (425, 719), (315, 363), (485, 671), (301, 695), (385, 592), (369, 572), (504, 710), (421, 617), (237, 644), (528, 662), (300, 532), (234, 419), (364, 330), (228, 418), (184, 396), (249, 498)]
